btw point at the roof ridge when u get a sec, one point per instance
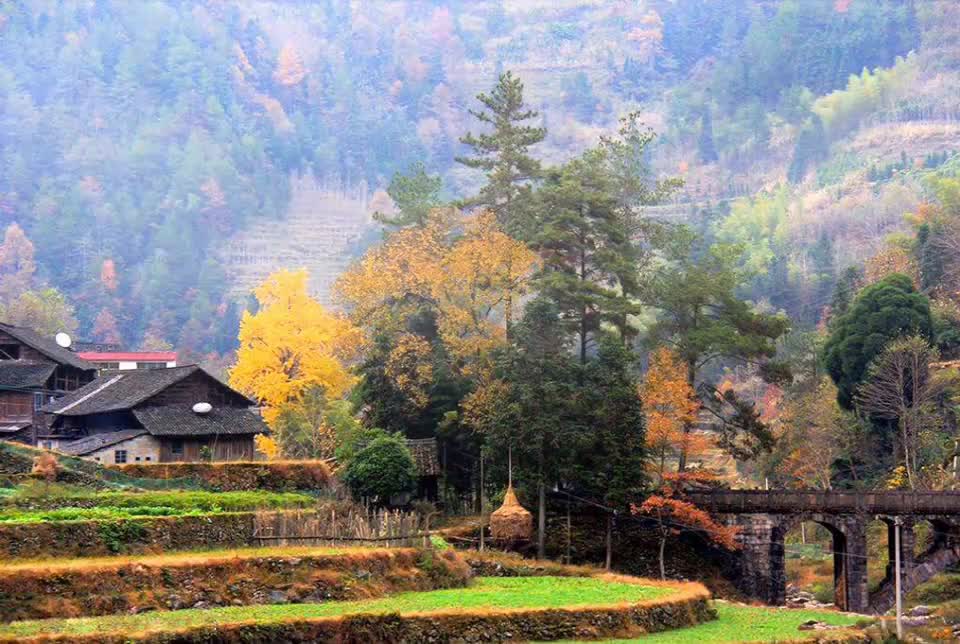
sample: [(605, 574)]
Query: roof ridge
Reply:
[(92, 393)]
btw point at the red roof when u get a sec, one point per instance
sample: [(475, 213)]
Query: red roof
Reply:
[(129, 356)]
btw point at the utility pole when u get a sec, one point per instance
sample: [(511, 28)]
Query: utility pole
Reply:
[(956, 462), (482, 527), (898, 522)]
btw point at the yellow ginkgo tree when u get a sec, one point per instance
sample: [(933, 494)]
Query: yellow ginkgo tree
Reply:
[(292, 345), (466, 271)]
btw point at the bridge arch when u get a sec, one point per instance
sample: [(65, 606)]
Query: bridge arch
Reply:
[(765, 516), (848, 549)]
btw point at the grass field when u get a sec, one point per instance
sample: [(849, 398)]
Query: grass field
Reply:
[(741, 624), (486, 592)]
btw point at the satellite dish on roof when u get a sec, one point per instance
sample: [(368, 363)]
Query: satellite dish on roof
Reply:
[(202, 408), (63, 340)]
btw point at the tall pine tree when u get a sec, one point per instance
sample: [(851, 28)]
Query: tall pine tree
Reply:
[(503, 155)]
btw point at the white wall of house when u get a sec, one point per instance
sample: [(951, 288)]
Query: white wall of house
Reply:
[(125, 365), (142, 449)]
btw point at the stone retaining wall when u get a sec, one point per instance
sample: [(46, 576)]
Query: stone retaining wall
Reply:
[(105, 587)]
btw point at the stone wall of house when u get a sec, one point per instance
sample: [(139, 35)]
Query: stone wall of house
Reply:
[(142, 449)]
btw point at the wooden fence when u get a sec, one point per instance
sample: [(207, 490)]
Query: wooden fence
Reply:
[(329, 527)]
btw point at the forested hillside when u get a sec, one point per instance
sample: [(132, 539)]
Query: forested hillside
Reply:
[(141, 141)]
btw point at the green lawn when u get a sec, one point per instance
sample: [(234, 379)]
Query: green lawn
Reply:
[(486, 592), (738, 623)]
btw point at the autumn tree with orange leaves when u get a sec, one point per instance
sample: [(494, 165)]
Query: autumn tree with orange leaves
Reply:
[(675, 516), (670, 406)]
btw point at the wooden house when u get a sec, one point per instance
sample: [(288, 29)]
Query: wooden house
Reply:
[(154, 415), (34, 370)]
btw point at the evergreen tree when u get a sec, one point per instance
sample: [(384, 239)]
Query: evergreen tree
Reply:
[(825, 278), (611, 462), (503, 154), (415, 195), (812, 145), (530, 408), (705, 144), (846, 289), (701, 318), (589, 258), (881, 312)]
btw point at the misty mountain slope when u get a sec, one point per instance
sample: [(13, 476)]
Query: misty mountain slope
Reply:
[(155, 143)]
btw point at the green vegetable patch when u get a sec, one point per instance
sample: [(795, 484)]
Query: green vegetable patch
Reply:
[(738, 623), (484, 594)]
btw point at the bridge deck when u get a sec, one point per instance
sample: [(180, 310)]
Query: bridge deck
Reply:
[(832, 502)]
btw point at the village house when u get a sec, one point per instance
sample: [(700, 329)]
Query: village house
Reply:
[(114, 357), (154, 415), (34, 370)]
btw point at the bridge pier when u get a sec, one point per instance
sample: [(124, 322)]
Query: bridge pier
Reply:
[(762, 562)]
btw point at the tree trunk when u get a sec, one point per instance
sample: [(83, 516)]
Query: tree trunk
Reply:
[(542, 522), (905, 437), (609, 560), (663, 547), (687, 426)]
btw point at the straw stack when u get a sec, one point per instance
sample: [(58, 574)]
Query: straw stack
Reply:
[(511, 522)]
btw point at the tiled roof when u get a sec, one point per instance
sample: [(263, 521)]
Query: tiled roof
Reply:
[(181, 420), (23, 374), (90, 444), (13, 428), (424, 451), (47, 347), (116, 390)]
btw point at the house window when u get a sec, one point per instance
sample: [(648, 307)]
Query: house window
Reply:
[(120, 456), (47, 445), (176, 448), (15, 405), (151, 365), (9, 351), (147, 458), (108, 365), (37, 401)]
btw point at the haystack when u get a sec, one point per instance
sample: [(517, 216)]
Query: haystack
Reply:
[(511, 522)]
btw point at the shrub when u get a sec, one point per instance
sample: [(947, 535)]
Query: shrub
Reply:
[(938, 590), (277, 476), (382, 469)]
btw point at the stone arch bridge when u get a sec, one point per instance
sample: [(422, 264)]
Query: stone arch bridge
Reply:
[(765, 516)]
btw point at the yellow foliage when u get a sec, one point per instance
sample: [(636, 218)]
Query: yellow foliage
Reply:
[(470, 282), (396, 276), (267, 446), (409, 368), (292, 344), (481, 407), (898, 479), (483, 272)]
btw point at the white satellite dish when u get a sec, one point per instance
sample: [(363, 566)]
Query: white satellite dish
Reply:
[(202, 408), (63, 340)]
